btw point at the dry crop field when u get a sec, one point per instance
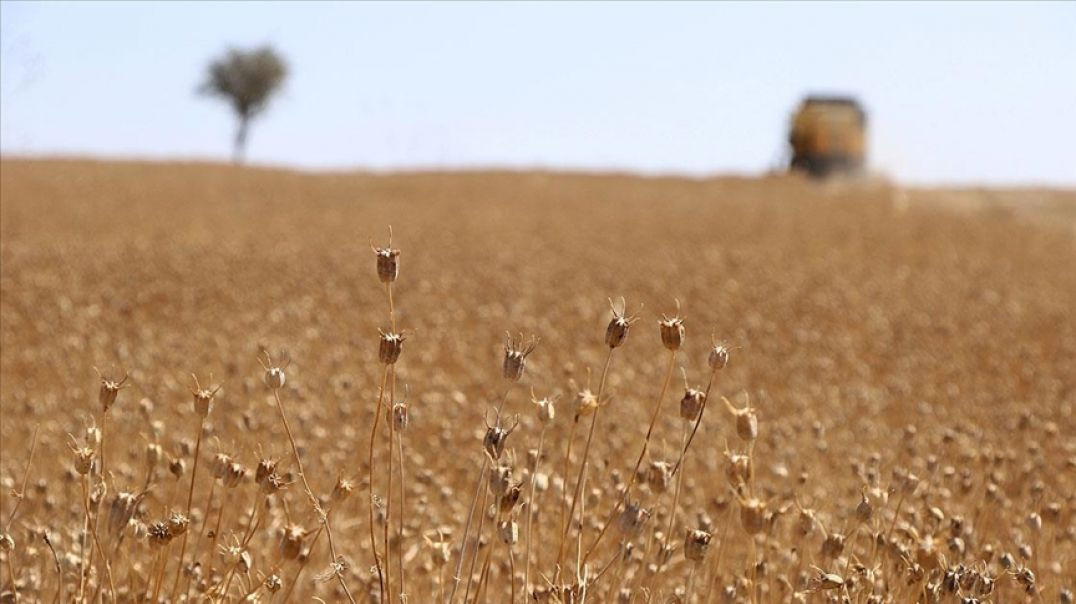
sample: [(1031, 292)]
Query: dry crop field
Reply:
[(869, 399)]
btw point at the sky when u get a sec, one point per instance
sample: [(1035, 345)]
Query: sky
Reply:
[(962, 93)]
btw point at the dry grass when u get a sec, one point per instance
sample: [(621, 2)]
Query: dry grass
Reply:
[(876, 333)]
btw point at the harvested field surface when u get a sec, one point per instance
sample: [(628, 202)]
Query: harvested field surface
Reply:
[(894, 422)]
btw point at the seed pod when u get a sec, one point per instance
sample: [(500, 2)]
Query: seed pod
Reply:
[(342, 490), (753, 515), (400, 417), (510, 498), (388, 261), (696, 544), (84, 457), (203, 397), (153, 457), (275, 378), (120, 512), (291, 542), (274, 483), (631, 519), (826, 581), (390, 347), (93, 436), (496, 437), (585, 403), (833, 545), (178, 523), (806, 522), (672, 330), (219, 465), (266, 466), (516, 352), (746, 421), (659, 476), (864, 511), (509, 532), (617, 330), (245, 562), (177, 467), (159, 534), (500, 479), (6, 543), (719, 357), (234, 475), (546, 411), (110, 389), (691, 404), (273, 584), (738, 468), (440, 551)]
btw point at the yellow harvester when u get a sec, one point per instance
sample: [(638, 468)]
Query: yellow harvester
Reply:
[(828, 136)]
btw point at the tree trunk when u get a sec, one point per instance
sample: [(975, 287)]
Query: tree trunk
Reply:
[(240, 147)]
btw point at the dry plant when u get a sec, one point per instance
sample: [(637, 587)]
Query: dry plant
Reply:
[(893, 424)]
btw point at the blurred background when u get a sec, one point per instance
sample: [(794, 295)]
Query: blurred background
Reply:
[(955, 93)]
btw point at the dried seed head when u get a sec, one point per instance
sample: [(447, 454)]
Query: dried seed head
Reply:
[(826, 581), (617, 331), (120, 512), (6, 543), (864, 511), (631, 519), (692, 402), (93, 436), (753, 515), (342, 490), (510, 498), (738, 468), (659, 476), (275, 378), (746, 421), (388, 261), (203, 397), (400, 417), (219, 465), (177, 467), (672, 330), (84, 458), (508, 532), (440, 550), (159, 534), (500, 479), (110, 389), (390, 347), (719, 357), (291, 542), (806, 522), (274, 483), (516, 351), (178, 523), (234, 475), (266, 466), (695, 545), (153, 456), (909, 484), (833, 545), (273, 584), (496, 437), (545, 409)]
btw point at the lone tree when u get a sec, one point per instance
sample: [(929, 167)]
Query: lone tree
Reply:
[(246, 79)]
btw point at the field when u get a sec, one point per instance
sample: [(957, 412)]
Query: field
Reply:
[(909, 357)]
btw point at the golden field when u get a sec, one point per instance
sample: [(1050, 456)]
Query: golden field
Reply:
[(909, 355)]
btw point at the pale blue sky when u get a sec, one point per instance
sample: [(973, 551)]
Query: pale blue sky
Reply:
[(957, 93)]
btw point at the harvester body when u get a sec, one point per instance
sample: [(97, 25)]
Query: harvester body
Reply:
[(828, 136)]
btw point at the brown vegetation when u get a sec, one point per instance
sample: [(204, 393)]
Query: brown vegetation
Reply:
[(898, 379)]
